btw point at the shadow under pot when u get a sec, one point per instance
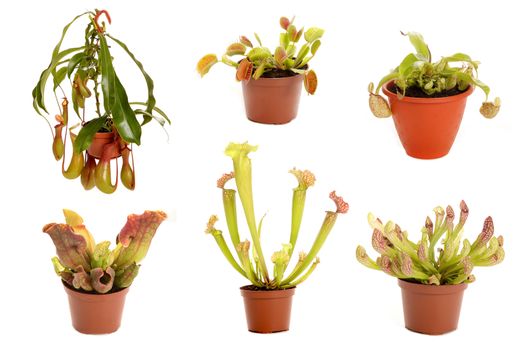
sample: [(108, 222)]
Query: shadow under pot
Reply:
[(431, 309), (272, 100), (100, 141), (427, 126), (267, 311), (96, 313)]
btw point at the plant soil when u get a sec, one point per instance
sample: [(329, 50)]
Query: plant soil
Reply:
[(278, 73), (415, 91), (257, 289)]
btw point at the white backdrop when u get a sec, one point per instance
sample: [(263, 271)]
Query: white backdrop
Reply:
[(186, 295)]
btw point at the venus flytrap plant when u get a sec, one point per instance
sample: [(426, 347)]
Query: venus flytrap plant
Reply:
[(418, 72), (404, 259), (254, 267), (260, 61), (91, 267)]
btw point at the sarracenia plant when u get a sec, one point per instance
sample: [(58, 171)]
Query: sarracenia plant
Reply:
[(253, 265), (418, 71), (88, 71), (421, 262), (91, 267), (259, 61)]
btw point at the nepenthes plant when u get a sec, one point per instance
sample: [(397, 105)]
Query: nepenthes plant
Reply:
[(106, 123)]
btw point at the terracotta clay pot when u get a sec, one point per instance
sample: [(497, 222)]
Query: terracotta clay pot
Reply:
[(272, 100), (267, 311), (431, 309), (427, 127), (96, 313), (100, 140)]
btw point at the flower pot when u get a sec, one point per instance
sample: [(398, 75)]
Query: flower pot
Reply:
[(100, 140), (96, 313), (267, 311), (272, 100), (431, 309), (427, 127)]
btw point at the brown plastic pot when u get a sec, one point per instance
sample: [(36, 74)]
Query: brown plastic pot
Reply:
[(272, 100), (267, 311), (100, 140), (427, 127), (96, 313), (431, 309)]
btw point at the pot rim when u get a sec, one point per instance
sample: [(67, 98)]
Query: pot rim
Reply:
[(79, 292), (267, 294), (283, 81), (428, 100), (430, 288)]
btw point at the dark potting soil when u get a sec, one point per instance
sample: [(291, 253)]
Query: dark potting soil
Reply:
[(278, 73), (255, 288), (415, 91)]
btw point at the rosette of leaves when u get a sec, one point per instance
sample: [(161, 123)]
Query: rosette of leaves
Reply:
[(84, 73), (251, 263), (423, 261), (82, 264), (254, 62), (450, 73)]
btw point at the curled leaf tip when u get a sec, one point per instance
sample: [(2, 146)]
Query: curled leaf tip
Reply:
[(490, 109), (305, 178), (210, 226), (342, 206), (500, 241), (302, 256), (239, 149), (224, 179)]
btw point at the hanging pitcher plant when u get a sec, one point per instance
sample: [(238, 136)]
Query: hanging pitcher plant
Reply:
[(108, 124)]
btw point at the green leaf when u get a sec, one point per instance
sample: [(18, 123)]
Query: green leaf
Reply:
[(313, 34), (302, 54), (315, 46), (284, 39), (74, 62), (149, 82), (58, 77), (419, 44), (85, 136), (108, 75), (38, 91), (405, 67), (64, 31), (258, 54), (124, 118), (156, 109), (258, 39)]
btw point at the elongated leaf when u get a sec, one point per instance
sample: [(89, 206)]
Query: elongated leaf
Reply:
[(108, 75), (258, 39), (56, 50), (74, 62), (85, 136), (124, 118), (313, 34), (125, 277), (70, 247), (419, 44), (149, 82), (136, 237), (40, 88), (77, 224), (58, 77), (156, 109)]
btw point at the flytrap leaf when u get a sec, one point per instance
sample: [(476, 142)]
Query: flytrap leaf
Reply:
[(205, 63)]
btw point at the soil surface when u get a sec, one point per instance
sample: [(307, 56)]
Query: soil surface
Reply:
[(415, 91), (278, 73), (255, 288)]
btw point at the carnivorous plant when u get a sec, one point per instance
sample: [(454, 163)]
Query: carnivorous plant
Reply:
[(260, 61), (251, 263), (421, 262), (88, 72), (82, 264), (417, 71)]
